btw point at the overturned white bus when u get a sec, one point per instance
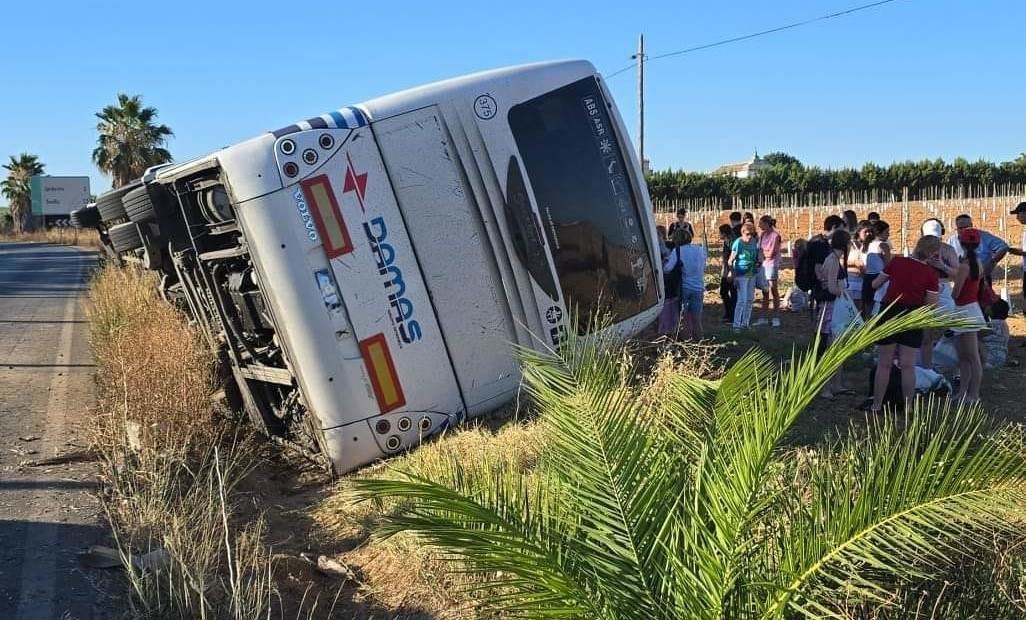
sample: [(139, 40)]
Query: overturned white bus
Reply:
[(366, 273)]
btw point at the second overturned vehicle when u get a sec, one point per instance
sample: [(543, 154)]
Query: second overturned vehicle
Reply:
[(366, 274)]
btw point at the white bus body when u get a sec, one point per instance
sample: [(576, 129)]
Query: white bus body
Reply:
[(367, 273)]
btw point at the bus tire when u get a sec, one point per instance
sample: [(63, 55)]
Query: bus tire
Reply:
[(139, 205), (86, 217), (109, 205), (125, 237)]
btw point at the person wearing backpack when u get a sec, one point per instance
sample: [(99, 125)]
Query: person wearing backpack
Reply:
[(833, 275), (727, 291), (669, 317), (810, 263), (689, 259), (744, 260)]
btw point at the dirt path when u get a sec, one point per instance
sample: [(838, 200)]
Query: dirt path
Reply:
[(47, 509)]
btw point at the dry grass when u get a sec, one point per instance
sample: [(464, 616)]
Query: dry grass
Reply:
[(87, 238), (169, 470), (399, 572), (153, 368)]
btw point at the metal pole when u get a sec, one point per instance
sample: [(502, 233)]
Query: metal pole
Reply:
[(640, 57)]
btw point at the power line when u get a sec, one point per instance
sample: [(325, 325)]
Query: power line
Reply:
[(753, 35)]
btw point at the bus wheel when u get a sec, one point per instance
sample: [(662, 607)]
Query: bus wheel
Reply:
[(109, 204), (86, 217), (125, 237), (139, 205)]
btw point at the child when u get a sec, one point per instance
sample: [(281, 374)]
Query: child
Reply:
[(995, 344)]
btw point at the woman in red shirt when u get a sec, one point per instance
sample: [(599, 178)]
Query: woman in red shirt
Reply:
[(966, 290), (911, 283)]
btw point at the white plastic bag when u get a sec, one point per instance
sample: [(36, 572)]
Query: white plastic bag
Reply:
[(945, 356), (761, 283), (844, 316), (796, 299), (930, 381)]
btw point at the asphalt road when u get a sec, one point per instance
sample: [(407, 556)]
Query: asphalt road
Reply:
[(48, 510)]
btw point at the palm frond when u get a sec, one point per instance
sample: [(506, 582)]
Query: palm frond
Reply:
[(903, 502), (667, 510)]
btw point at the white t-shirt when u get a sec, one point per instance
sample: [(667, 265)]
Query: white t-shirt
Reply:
[(692, 259), (1022, 247)]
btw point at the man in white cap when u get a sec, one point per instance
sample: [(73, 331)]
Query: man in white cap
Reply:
[(1020, 215), (946, 269), (992, 249)]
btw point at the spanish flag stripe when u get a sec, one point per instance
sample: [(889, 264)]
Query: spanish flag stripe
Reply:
[(381, 369), (327, 216)]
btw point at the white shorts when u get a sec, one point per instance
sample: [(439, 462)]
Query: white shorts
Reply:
[(973, 312)]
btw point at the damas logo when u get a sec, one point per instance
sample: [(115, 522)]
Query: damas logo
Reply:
[(401, 308)]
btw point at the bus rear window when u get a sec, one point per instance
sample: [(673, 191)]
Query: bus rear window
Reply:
[(574, 162)]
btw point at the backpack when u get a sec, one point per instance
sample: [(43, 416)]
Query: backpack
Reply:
[(805, 272), (672, 278), (893, 397)]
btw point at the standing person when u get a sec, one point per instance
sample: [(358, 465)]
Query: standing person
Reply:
[(769, 246), (865, 234), (681, 222), (851, 221), (735, 223), (727, 291), (748, 218), (946, 270), (744, 260), (832, 278), (911, 283), (873, 216), (810, 261), (878, 255), (664, 248), (692, 259), (992, 249), (1020, 216), (669, 317), (968, 278)]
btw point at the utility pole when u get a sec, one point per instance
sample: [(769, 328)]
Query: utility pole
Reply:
[(640, 57)]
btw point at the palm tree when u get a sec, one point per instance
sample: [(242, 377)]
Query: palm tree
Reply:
[(129, 141), (684, 506), (16, 190)]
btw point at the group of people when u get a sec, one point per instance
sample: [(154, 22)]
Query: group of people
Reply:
[(854, 263), (750, 260), (850, 271)]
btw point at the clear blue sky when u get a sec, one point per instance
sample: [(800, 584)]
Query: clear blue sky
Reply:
[(912, 79)]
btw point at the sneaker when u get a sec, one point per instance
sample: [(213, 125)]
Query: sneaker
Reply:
[(775, 322), (760, 322)]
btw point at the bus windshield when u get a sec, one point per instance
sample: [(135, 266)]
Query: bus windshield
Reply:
[(588, 208)]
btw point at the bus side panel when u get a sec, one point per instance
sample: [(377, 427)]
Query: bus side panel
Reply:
[(449, 238)]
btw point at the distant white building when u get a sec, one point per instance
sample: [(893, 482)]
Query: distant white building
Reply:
[(744, 169)]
